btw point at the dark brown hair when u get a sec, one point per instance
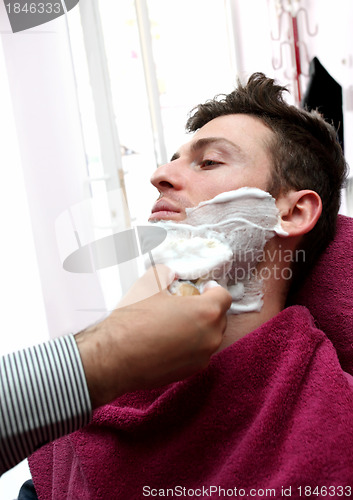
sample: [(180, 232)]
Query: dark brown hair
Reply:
[(304, 150)]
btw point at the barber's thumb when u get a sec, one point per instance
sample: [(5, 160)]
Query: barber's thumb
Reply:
[(217, 292)]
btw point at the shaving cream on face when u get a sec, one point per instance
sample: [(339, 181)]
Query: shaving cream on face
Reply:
[(223, 239)]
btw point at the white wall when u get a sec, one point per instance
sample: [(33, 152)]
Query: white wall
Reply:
[(23, 318), (333, 45), (46, 114), (42, 171)]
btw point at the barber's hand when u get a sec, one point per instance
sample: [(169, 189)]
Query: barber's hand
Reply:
[(152, 342)]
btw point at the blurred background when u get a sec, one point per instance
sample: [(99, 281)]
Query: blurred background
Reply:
[(93, 101)]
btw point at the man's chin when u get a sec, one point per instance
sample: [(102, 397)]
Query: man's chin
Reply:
[(166, 216)]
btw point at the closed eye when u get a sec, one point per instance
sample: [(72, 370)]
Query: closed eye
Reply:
[(209, 163)]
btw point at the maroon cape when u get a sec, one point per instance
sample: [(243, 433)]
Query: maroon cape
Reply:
[(274, 410)]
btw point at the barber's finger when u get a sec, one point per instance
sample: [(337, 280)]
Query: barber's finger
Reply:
[(155, 280), (217, 294), (207, 285)]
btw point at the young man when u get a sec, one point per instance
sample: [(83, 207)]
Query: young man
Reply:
[(252, 138), (272, 414)]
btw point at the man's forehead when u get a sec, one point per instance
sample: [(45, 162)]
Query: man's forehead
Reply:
[(197, 144), (232, 132)]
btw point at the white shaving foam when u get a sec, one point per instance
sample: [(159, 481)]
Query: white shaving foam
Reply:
[(222, 239)]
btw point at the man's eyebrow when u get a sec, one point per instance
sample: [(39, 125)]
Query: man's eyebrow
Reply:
[(207, 141)]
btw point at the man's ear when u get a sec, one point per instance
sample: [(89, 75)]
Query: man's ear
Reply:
[(299, 211)]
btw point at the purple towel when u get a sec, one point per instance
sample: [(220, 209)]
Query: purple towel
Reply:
[(328, 292), (272, 410)]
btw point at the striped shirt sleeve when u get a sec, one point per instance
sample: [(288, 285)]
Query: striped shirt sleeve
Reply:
[(43, 396)]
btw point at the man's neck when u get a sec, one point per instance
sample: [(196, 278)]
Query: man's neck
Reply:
[(239, 325)]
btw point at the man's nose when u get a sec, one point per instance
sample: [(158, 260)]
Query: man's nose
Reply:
[(167, 177)]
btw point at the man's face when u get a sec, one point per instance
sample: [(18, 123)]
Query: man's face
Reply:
[(227, 153)]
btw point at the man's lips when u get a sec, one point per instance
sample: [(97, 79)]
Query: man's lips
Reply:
[(163, 209)]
